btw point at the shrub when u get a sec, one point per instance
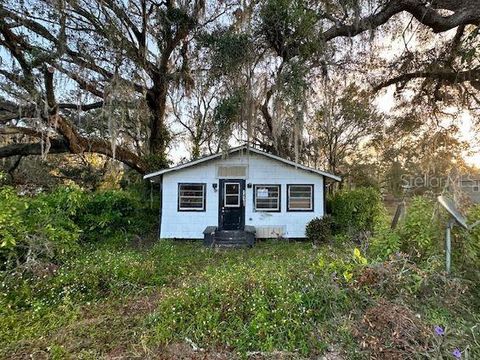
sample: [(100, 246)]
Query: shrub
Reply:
[(35, 228), (319, 230), (107, 212), (355, 210), (50, 226), (384, 241), (11, 224), (421, 232), (466, 244)]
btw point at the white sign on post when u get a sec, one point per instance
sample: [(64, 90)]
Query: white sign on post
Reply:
[(262, 193)]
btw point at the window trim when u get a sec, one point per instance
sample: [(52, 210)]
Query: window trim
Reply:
[(312, 199), (255, 198), (204, 207)]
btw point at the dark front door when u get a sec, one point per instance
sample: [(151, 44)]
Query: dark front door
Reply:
[(231, 205)]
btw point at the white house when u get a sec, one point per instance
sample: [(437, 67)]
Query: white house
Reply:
[(243, 191)]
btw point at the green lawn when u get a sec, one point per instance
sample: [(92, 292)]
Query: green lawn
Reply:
[(289, 299)]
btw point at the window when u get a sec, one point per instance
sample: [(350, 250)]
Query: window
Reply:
[(300, 198), (232, 195), (191, 197), (266, 197)]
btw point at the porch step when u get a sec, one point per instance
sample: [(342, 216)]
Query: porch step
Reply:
[(229, 238)]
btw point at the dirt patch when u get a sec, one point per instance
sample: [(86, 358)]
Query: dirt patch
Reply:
[(183, 351), (391, 331), (142, 305)]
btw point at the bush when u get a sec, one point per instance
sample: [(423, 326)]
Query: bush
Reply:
[(421, 232), (466, 245), (384, 241), (107, 212), (50, 226), (11, 225), (355, 210), (319, 230), (37, 228)]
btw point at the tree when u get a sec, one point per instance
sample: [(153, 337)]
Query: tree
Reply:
[(110, 49), (299, 41), (194, 113), (445, 73), (94, 76), (343, 120)]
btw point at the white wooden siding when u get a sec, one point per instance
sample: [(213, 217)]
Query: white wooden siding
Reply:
[(261, 170)]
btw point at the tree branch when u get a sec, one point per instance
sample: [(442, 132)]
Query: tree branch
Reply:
[(57, 146), (14, 130), (449, 76), (465, 12), (81, 107)]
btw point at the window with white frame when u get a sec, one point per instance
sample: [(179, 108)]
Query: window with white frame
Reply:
[(299, 197), (266, 197), (191, 197), (231, 196)]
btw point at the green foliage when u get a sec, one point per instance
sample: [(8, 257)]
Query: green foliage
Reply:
[(355, 210), (228, 112), (288, 297), (105, 213), (466, 245), (156, 162), (385, 241), (341, 267), (254, 303), (289, 28), (231, 51), (39, 227), (421, 232), (276, 296), (293, 82), (50, 226), (319, 230), (11, 225)]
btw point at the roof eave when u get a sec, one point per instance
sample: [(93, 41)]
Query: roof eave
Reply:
[(211, 157)]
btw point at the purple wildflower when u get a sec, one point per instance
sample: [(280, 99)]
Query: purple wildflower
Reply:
[(439, 330), (457, 353)]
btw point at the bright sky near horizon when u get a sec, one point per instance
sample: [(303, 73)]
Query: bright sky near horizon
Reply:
[(385, 103)]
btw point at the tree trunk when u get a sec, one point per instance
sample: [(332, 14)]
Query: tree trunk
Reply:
[(157, 102)]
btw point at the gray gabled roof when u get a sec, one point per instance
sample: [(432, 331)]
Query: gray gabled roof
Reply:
[(240, 148)]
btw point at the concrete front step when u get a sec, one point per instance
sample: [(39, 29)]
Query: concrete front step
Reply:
[(229, 238)]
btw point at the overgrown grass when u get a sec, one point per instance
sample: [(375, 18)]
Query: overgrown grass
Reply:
[(115, 300)]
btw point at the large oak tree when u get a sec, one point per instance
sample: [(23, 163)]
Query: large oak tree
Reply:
[(72, 68)]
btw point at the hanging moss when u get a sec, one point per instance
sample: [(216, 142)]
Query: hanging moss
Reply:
[(228, 112)]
